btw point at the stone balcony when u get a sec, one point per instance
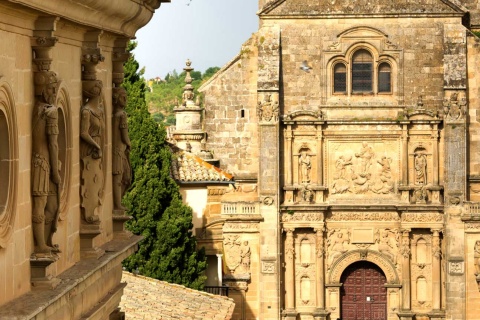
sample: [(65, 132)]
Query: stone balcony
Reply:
[(471, 211), (240, 207)]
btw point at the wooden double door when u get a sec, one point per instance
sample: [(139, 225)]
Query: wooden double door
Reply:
[(363, 294)]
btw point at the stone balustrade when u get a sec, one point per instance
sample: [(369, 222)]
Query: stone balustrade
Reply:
[(240, 208)]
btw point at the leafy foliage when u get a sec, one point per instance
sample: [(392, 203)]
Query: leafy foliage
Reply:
[(168, 251), (165, 95)]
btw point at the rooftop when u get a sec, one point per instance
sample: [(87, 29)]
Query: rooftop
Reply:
[(147, 298)]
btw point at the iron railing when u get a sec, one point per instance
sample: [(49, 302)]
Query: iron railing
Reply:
[(218, 290)]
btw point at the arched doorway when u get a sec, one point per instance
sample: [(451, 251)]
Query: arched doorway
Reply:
[(363, 294)]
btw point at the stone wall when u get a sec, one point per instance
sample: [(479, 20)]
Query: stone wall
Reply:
[(231, 115)]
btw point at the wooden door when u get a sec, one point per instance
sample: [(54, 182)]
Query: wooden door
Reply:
[(363, 294)]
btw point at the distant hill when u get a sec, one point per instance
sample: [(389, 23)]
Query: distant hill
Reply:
[(166, 93)]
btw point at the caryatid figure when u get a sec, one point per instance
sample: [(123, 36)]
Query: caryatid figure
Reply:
[(45, 163), (92, 126), (121, 168)]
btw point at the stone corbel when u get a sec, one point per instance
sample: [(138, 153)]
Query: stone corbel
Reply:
[(43, 41), (91, 55), (120, 56)]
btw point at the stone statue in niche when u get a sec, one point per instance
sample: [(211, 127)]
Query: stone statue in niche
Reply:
[(476, 258), (336, 244), (268, 109), (91, 149), (46, 178), (121, 169), (305, 164), (420, 166)]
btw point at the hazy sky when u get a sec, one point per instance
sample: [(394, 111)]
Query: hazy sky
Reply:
[(208, 32)]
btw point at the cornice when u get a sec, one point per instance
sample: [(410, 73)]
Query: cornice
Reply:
[(123, 17)]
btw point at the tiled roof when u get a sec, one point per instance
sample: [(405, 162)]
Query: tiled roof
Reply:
[(147, 298), (187, 167)]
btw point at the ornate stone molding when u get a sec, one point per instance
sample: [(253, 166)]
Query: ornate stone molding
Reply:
[(422, 217), (336, 270), (120, 17), (9, 151), (302, 217), (364, 216)]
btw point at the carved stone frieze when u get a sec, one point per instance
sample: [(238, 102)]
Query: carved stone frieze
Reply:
[(472, 226), (364, 216), (361, 172), (240, 227), (302, 217), (422, 217)]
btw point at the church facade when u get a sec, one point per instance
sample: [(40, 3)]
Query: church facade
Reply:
[(351, 129)]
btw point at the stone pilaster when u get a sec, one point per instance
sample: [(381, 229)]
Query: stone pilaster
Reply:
[(455, 108), (268, 111), (406, 281), (289, 312), (320, 312)]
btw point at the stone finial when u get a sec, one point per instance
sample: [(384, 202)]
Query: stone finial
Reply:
[(188, 95)]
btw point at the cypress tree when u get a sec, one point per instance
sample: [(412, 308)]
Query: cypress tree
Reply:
[(168, 251)]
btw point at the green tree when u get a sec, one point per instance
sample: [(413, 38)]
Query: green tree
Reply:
[(168, 251)]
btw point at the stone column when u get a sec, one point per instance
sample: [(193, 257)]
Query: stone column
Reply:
[(288, 155), (320, 269), (406, 313), (404, 138), (289, 275), (320, 312), (436, 270), (219, 268), (319, 155), (405, 251), (435, 166)]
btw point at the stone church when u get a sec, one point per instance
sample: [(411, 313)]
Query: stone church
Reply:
[(339, 156), (63, 156)]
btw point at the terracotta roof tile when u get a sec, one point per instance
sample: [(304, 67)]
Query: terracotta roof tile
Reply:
[(187, 167), (147, 298)]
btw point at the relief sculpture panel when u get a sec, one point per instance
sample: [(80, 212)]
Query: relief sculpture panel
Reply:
[(362, 168)]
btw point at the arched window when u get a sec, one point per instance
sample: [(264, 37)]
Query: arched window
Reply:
[(340, 78), (384, 77), (362, 71)]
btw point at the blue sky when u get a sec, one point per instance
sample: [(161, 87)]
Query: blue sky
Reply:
[(208, 32)]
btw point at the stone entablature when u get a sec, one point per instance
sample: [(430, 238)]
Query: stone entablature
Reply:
[(128, 18)]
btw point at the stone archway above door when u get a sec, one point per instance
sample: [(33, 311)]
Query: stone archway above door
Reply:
[(337, 268)]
